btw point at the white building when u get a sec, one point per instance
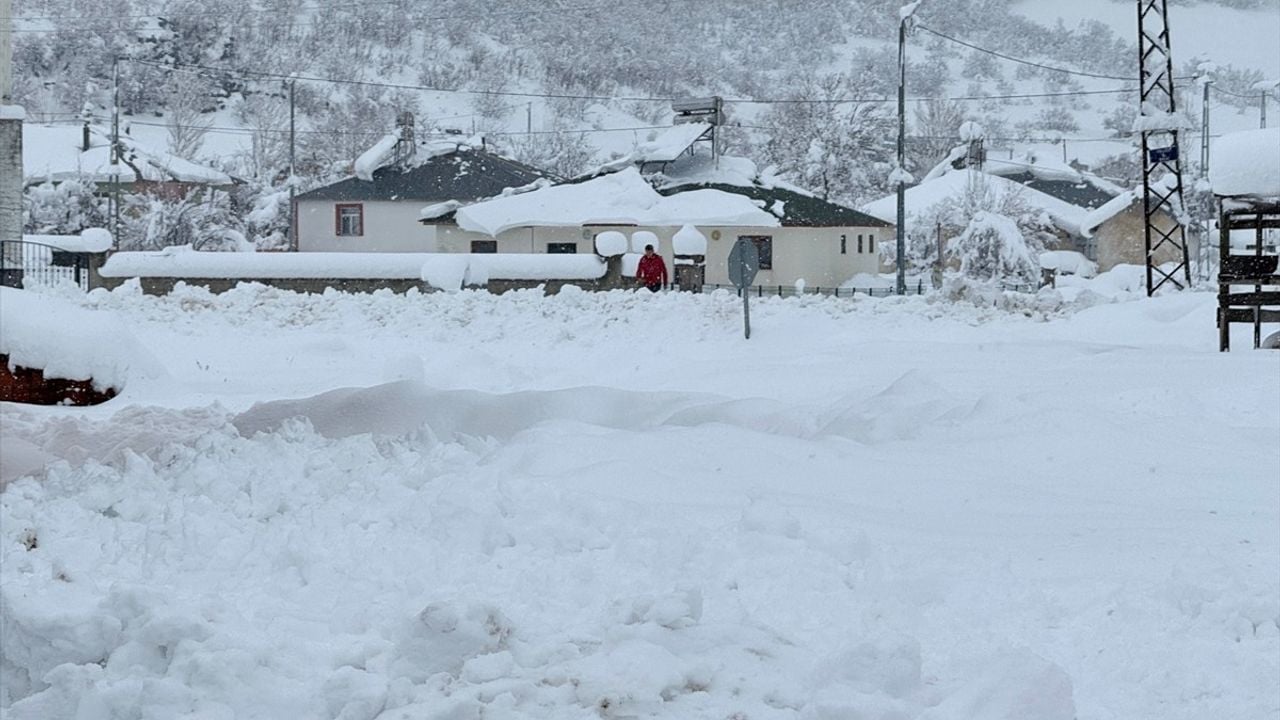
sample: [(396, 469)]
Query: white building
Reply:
[(799, 236), (381, 211)]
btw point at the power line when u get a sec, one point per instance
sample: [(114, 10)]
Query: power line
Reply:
[(194, 67), (1021, 61), (167, 16), (1245, 96), (259, 74), (98, 20)]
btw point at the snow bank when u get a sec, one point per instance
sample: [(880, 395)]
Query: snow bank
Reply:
[(1247, 163), (622, 198), (12, 112), (44, 332), (504, 545), (183, 262), (450, 271), (610, 243), (1068, 262), (92, 240), (688, 241)]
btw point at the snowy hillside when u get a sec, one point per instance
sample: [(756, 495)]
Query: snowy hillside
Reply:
[(910, 508), (209, 77)]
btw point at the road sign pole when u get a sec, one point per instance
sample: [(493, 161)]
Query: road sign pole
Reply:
[(746, 314)]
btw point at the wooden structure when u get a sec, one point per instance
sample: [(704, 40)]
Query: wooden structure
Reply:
[(1248, 283), (29, 385)]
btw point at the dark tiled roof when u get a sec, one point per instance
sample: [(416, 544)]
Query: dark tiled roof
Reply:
[(798, 209), (465, 174), (1081, 194)]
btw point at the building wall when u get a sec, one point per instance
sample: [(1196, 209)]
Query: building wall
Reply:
[(453, 239), (1121, 240), (811, 254), (388, 227)]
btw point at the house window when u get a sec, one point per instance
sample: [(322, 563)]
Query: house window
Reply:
[(562, 248), (844, 244), (764, 247), (859, 244), (484, 246), (349, 220), (871, 243)]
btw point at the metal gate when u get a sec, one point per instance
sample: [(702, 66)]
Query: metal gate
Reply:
[(29, 263)]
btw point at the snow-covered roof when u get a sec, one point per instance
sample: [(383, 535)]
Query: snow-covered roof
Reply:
[(1246, 164), (439, 173), (1118, 204), (622, 198), (953, 185), (56, 152)]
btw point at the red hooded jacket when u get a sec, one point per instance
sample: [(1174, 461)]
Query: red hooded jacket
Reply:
[(652, 270)]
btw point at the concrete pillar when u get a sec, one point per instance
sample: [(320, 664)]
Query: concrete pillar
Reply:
[(10, 177)]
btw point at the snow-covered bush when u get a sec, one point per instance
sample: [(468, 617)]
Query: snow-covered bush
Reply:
[(62, 209), (992, 247)]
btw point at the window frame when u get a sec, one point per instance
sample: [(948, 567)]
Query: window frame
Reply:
[(338, 209), (562, 248), (762, 242), (491, 247)]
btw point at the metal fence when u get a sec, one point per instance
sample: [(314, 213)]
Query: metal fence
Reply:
[(29, 263), (918, 288)]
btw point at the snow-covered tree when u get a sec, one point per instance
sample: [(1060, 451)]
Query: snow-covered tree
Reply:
[(64, 208), (203, 221), (992, 248), (561, 153), (187, 99)]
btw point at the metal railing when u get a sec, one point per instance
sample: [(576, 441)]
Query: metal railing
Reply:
[(23, 264)]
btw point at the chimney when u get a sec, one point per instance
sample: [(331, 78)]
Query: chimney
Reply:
[(405, 145)]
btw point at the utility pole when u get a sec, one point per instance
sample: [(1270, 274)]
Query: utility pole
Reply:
[(115, 153), (1159, 125), (11, 117), (293, 143), (528, 118), (1205, 82), (1264, 87), (900, 172)]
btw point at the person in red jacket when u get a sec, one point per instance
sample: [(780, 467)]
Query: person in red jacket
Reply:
[(652, 272)]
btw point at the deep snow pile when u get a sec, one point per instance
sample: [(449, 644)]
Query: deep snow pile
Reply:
[(48, 333), (467, 506)]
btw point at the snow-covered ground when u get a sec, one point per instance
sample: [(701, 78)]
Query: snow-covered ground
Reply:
[(612, 505)]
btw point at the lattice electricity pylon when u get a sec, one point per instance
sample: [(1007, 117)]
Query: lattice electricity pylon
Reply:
[(1159, 123)]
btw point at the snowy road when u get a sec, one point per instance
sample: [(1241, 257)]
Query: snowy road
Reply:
[(614, 506)]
